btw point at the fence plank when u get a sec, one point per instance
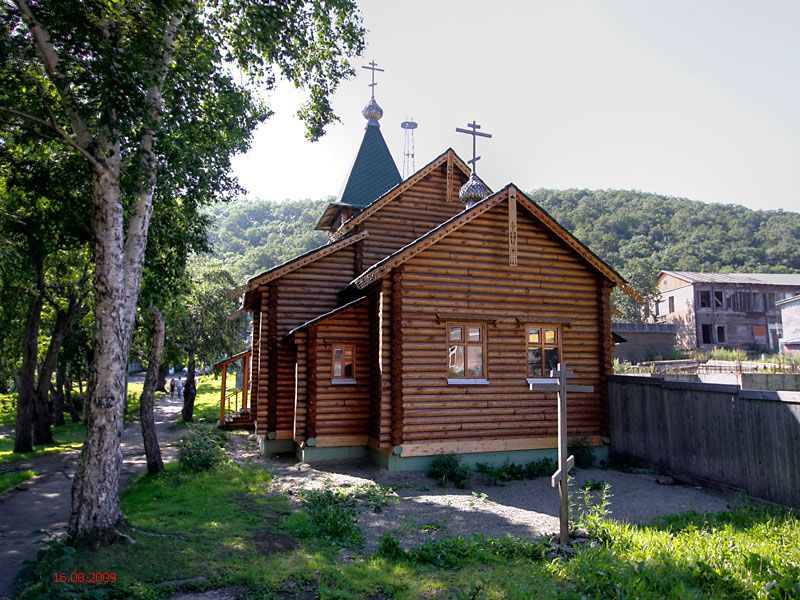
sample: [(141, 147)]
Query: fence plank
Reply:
[(721, 434)]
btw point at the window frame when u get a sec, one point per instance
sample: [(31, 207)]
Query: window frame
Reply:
[(465, 343), (342, 380), (723, 329), (542, 346), (710, 336), (700, 303)]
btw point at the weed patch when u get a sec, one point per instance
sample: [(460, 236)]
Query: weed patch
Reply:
[(448, 468), (499, 475), (330, 514)]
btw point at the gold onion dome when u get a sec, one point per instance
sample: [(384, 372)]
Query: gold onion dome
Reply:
[(473, 191), (372, 112)]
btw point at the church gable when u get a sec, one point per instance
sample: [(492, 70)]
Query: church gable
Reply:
[(523, 206), (424, 201)]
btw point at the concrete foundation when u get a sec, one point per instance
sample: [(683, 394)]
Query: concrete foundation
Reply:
[(398, 462)]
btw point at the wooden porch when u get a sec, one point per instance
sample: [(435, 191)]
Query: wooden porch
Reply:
[(234, 410)]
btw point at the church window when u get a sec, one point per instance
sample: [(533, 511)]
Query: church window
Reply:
[(544, 349), (466, 355), (344, 364)]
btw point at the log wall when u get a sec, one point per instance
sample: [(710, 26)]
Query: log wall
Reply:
[(342, 410), (412, 214), (468, 273)]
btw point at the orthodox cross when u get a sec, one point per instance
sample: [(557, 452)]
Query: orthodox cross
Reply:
[(373, 66), (558, 383), (473, 131)]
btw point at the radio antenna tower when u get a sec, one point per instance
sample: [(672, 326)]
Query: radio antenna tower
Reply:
[(409, 167)]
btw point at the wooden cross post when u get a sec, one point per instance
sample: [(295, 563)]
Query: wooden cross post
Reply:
[(558, 383)]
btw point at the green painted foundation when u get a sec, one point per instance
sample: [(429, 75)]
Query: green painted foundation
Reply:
[(394, 462), (268, 446)]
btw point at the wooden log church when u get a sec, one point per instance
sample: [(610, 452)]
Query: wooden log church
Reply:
[(414, 331)]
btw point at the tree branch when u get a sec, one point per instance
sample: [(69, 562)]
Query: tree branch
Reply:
[(50, 60), (61, 134)]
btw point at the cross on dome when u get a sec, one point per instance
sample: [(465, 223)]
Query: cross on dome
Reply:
[(372, 111), (474, 190), (373, 66), (473, 131)]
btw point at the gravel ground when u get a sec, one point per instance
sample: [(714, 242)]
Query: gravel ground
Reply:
[(425, 510)]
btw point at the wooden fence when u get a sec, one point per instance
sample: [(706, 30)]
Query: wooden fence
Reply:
[(743, 439)]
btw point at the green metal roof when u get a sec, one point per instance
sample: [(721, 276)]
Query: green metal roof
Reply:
[(373, 172)]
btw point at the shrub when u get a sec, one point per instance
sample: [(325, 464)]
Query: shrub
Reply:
[(728, 354), (449, 468), (510, 471), (201, 449), (390, 548), (584, 453), (330, 513)]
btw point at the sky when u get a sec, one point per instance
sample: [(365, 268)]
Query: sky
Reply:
[(682, 98)]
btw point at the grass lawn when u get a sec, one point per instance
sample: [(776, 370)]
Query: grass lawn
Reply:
[(71, 435), (227, 527), (12, 478)]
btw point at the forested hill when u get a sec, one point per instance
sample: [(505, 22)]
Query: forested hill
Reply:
[(635, 232)]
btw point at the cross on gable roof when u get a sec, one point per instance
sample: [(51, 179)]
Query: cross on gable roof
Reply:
[(382, 267)]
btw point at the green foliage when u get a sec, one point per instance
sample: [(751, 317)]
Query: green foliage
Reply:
[(9, 480), (640, 234), (458, 552), (448, 468), (589, 507), (330, 514), (508, 471), (67, 437), (202, 449), (251, 236), (584, 453), (750, 552), (727, 354), (229, 526)]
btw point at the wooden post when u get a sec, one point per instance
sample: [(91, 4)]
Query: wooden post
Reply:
[(245, 379), (558, 382), (222, 395)]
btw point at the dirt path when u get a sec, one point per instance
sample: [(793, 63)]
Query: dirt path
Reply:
[(27, 515), (423, 510)]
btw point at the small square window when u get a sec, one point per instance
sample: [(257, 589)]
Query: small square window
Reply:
[(550, 336), (343, 367), (456, 334), (533, 335), (473, 334)]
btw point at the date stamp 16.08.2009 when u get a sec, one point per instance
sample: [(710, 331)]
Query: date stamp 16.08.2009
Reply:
[(89, 577)]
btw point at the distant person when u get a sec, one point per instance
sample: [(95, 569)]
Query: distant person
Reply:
[(171, 387), (179, 387)]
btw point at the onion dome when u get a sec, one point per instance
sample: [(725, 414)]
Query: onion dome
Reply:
[(372, 112), (473, 191)]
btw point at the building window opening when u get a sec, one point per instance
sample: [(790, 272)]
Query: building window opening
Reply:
[(467, 351), (543, 345), (344, 367)]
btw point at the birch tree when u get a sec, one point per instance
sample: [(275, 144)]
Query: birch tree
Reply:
[(128, 85)]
